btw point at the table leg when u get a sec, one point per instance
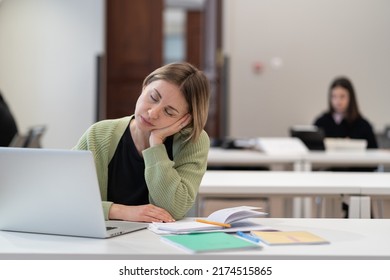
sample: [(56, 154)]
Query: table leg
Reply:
[(365, 207), (354, 207)]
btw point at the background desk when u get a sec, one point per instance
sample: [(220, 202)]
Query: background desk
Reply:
[(371, 158), (219, 157), (350, 239), (314, 159), (289, 183)]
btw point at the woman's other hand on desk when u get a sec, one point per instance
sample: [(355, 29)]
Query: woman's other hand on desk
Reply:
[(141, 213)]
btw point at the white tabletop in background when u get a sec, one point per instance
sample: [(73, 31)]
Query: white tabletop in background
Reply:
[(355, 158), (251, 158), (246, 157), (290, 182)]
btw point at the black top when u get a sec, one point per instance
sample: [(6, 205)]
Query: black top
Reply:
[(359, 129), (8, 128), (126, 180)]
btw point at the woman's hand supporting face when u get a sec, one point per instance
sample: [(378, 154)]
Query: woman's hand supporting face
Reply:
[(157, 136), (140, 213)]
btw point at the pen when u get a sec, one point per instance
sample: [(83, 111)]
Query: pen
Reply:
[(248, 236), (212, 223)]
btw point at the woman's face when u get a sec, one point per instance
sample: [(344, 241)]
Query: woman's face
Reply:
[(160, 105), (339, 99)]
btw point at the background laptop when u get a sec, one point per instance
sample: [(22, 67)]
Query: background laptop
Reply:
[(54, 192), (312, 136)]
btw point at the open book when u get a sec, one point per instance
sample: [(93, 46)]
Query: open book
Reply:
[(234, 217), (234, 214)]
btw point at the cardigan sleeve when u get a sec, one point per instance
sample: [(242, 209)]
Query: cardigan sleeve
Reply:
[(173, 185), (102, 139)]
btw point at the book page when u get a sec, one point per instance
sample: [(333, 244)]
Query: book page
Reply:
[(188, 227), (185, 226), (230, 215)]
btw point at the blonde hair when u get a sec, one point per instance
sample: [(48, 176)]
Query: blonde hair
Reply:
[(195, 87)]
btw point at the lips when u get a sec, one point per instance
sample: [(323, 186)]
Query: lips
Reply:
[(146, 122)]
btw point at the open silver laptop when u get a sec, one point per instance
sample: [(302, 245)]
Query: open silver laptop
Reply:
[(54, 192)]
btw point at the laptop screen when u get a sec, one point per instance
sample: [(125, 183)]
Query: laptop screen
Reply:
[(312, 136), (50, 191)]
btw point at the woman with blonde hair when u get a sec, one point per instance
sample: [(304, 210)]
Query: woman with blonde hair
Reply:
[(150, 164)]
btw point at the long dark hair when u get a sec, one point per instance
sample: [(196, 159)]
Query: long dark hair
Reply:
[(353, 112)]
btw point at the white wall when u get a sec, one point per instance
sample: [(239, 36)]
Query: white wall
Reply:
[(48, 52), (315, 41)]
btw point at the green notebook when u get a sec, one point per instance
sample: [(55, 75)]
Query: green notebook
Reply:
[(210, 241)]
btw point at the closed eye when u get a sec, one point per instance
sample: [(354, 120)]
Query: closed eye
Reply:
[(169, 112), (154, 97)]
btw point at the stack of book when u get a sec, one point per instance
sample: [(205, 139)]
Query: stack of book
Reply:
[(212, 233)]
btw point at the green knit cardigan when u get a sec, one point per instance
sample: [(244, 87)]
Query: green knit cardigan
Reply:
[(173, 185)]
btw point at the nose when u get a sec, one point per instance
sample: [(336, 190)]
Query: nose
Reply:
[(154, 112)]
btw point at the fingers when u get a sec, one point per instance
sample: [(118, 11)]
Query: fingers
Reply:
[(147, 213), (158, 136), (180, 123), (185, 120), (142, 213), (153, 213)]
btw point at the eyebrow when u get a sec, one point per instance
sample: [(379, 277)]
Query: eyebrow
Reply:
[(170, 107)]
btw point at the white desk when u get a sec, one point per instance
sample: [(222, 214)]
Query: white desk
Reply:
[(372, 158), (289, 183), (300, 162), (314, 159), (350, 239), (252, 158)]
